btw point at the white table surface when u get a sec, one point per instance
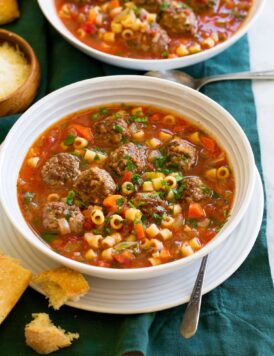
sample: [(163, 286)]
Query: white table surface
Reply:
[(261, 39)]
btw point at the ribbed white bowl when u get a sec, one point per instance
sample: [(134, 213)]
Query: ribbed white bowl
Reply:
[(131, 89), (49, 10)]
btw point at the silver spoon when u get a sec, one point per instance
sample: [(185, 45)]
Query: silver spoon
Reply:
[(186, 79)]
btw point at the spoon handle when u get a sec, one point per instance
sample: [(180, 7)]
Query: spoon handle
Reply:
[(190, 320), (261, 75)]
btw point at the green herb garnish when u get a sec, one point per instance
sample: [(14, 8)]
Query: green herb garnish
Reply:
[(70, 197), (136, 179), (28, 197), (48, 236), (104, 111), (164, 6), (69, 139), (120, 202), (118, 128), (130, 164)]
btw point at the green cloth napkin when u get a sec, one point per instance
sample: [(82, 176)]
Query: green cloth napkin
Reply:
[(237, 317)]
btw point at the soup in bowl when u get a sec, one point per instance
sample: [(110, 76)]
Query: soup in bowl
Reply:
[(111, 183)]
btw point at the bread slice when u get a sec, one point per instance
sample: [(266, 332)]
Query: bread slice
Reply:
[(14, 279), (61, 285), (44, 337), (9, 11)]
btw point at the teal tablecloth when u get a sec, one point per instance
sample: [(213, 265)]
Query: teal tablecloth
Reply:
[(237, 317)]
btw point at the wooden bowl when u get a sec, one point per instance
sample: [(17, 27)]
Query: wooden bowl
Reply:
[(23, 96)]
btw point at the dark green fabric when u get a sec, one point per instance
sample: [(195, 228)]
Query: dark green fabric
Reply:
[(237, 317)]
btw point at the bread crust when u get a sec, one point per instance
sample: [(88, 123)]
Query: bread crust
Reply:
[(9, 11), (44, 337), (61, 285), (14, 279)]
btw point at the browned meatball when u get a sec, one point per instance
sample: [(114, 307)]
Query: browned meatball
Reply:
[(94, 185), (150, 203), (204, 5), (56, 214), (128, 157), (151, 5), (154, 42), (195, 189), (61, 169), (177, 20), (113, 129), (180, 153)]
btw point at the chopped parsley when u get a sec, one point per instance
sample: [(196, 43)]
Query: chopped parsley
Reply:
[(94, 116), (192, 222), (164, 6), (97, 157), (120, 202), (68, 216), (104, 111), (69, 139), (118, 128), (215, 195), (130, 165), (70, 197), (158, 218), (28, 197), (136, 179), (48, 236), (206, 190), (96, 232)]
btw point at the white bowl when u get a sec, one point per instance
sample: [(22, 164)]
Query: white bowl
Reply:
[(131, 89), (49, 10)]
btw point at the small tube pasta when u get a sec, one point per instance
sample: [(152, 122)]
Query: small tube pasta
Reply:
[(33, 162), (107, 254), (147, 186), (195, 243), (53, 197), (109, 36), (152, 230), (137, 111), (170, 195), (158, 183), (108, 241), (169, 119), (167, 221), (166, 234), (138, 135), (195, 138), (89, 155), (177, 209), (153, 143), (93, 240), (127, 34), (133, 214), (97, 217), (156, 244), (222, 173), (116, 221), (186, 250), (127, 188), (154, 261), (211, 173), (164, 136), (80, 142), (90, 254), (171, 182)]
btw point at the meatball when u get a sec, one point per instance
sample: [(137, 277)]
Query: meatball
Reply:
[(61, 169), (150, 203), (154, 42), (181, 153), (151, 5), (177, 20), (195, 189), (128, 157), (94, 185), (113, 129), (55, 213)]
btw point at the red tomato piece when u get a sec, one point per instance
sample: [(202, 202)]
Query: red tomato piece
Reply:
[(127, 177), (124, 257)]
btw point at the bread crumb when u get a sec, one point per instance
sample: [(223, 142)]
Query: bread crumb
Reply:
[(44, 337), (61, 285)]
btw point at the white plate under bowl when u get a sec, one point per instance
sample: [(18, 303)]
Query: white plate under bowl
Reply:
[(49, 10), (142, 296)]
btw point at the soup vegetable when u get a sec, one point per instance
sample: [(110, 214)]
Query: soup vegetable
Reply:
[(153, 29), (125, 186)]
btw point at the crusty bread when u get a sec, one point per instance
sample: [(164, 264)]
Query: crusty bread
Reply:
[(9, 11), (44, 337), (61, 285), (14, 279)]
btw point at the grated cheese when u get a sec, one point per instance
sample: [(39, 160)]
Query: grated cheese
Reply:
[(14, 69)]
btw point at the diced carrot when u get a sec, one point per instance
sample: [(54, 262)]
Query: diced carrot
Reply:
[(114, 3), (195, 211), (155, 117), (127, 177), (208, 143), (207, 235), (92, 16), (140, 232), (124, 257), (111, 201), (83, 131), (165, 254), (86, 213)]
